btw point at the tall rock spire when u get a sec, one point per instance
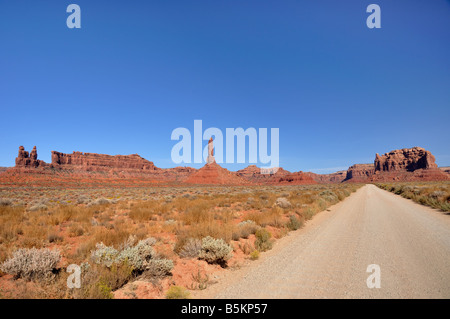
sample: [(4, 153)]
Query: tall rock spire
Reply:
[(210, 158)]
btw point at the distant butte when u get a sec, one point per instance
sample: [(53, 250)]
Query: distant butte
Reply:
[(408, 164)]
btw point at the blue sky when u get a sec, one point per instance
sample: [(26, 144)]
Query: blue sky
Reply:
[(338, 91)]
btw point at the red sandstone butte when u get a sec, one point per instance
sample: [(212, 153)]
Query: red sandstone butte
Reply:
[(408, 164), (407, 159), (101, 161)]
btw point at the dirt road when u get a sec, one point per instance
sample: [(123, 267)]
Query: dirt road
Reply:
[(329, 257)]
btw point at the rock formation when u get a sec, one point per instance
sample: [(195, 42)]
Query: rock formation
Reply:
[(337, 177), (28, 160), (210, 158), (213, 173), (132, 169), (408, 164), (407, 159), (414, 164), (360, 173), (98, 162)]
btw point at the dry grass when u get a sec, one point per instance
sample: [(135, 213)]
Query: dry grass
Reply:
[(433, 194), (76, 220)]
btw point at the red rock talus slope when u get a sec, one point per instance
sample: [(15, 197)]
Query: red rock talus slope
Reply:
[(213, 173), (337, 177), (296, 178), (255, 174), (277, 176)]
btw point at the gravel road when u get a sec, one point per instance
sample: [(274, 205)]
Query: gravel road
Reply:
[(329, 257)]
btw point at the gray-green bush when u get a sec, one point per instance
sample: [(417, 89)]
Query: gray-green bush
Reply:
[(215, 250), (32, 263)]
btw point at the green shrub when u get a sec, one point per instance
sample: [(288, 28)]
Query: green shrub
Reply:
[(177, 292), (104, 291), (294, 223), (140, 257), (309, 213), (98, 281), (263, 241), (254, 255)]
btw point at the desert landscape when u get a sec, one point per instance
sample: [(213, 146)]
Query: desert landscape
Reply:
[(139, 231), (262, 151)]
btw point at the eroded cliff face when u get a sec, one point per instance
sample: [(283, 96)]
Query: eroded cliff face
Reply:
[(360, 173), (408, 164), (96, 162), (407, 159), (337, 177), (82, 166)]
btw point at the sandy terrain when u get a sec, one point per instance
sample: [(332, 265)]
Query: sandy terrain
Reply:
[(328, 258)]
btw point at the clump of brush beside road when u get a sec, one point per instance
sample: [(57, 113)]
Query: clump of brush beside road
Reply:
[(433, 194)]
